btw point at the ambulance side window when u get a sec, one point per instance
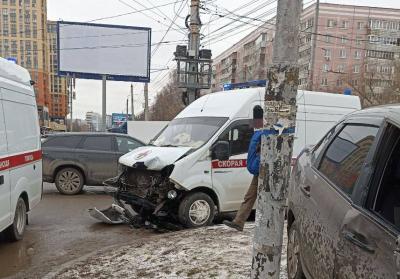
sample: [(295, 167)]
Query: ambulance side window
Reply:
[(239, 137)]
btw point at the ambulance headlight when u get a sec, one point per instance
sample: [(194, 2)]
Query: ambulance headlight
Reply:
[(172, 194)]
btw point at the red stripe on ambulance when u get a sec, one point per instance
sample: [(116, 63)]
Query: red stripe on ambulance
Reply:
[(234, 163), (19, 160)]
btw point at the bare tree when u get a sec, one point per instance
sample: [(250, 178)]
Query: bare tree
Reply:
[(379, 85), (168, 102)]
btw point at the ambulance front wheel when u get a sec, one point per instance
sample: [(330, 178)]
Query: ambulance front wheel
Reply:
[(196, 210)]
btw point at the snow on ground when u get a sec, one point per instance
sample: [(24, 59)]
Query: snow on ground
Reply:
[(210, 252)]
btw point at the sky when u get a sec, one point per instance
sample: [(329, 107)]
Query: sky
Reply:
[(88, 92)]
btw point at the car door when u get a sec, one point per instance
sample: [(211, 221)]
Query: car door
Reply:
[(327, 189), (230, 178), (367, 244), (57, 151), (98, 154), (5, 190)]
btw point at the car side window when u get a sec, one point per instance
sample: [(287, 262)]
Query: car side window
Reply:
[(387, 198), (239, 138), (126, 145), (99, 143), (63, 142), (345, 157)]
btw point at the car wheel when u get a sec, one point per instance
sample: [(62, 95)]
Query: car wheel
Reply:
[(196, 210), (294, 268), (69, 181), (16, 231)]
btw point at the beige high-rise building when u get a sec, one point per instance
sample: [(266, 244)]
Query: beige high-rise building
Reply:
[(57, 85), (27, 37), (23, 29)]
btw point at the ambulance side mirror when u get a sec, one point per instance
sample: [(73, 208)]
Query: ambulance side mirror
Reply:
[(220, 150)]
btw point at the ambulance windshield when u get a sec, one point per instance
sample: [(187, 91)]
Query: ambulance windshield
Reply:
[(189, 132)]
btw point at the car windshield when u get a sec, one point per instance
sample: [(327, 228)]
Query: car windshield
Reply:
[(190, 132)]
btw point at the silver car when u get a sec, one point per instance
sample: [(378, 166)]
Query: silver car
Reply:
[(344, 200), (73, 160)]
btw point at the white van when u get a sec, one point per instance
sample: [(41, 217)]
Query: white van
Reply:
[(20, 151), (198, 183)]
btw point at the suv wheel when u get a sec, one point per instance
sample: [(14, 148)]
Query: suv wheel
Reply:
[(16, 231), (294, 268), (69, 181), (196, 210)]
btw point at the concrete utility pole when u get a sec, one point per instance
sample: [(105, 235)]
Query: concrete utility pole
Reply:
[(127, 109), (146, 101), (313, 46), (277, 142), (194, 46), (71, 93), (132, 107), (104, 104)]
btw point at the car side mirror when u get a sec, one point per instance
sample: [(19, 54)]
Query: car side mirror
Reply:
[(221, 150)]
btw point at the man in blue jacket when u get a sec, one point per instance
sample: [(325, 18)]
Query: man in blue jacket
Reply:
[(253, 166)]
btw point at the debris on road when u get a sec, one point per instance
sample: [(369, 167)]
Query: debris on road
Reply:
[(208, 252)]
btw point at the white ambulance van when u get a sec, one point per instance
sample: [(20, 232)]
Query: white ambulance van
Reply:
[(209, 184), (20, 150)]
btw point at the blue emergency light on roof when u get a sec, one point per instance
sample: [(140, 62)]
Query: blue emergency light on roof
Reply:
[(347, 91), (12, 59), (247, 84)]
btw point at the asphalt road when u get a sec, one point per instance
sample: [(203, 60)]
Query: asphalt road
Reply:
[(61, 230)]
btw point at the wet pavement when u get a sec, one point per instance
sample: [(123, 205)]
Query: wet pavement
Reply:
[(61, 230)]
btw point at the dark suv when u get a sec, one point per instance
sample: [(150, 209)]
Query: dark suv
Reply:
[(72, 160), (344, 200)]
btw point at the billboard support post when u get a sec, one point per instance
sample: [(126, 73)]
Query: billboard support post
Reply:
[(132, 106), (104, 104), (146, 101)]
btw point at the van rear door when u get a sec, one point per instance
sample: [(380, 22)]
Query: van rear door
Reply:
[(5, 191)]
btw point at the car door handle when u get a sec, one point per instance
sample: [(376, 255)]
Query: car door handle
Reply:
[(1, 179), (306, 190), (356, 240)]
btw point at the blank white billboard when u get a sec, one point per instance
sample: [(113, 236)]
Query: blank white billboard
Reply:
[(93, 50)]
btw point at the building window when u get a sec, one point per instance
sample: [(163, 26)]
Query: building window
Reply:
[(339, 82), (358, 41), (342, 53), (331, 23), (325, 68), (341, 68), (344, 40), (360, 25), (327, 53), (354, 82), (345, 24), (357, 54), (356, 69), (324, 81), (380, 54), (328, 38)]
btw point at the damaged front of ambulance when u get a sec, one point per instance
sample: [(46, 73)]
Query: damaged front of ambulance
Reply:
[(145, 192)]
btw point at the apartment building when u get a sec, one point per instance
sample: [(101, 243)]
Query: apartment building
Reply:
[(354, 47), (29, 39), (23, 29), (93, 120), (57, 85), (246, 60)]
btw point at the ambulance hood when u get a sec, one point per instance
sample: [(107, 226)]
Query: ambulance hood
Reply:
[(153, 157)]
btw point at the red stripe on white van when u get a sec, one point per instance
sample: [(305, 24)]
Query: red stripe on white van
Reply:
[(19, 160), (234, 163)]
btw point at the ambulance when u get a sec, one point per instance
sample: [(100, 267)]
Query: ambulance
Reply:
[(20, 150), (196, 167)]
